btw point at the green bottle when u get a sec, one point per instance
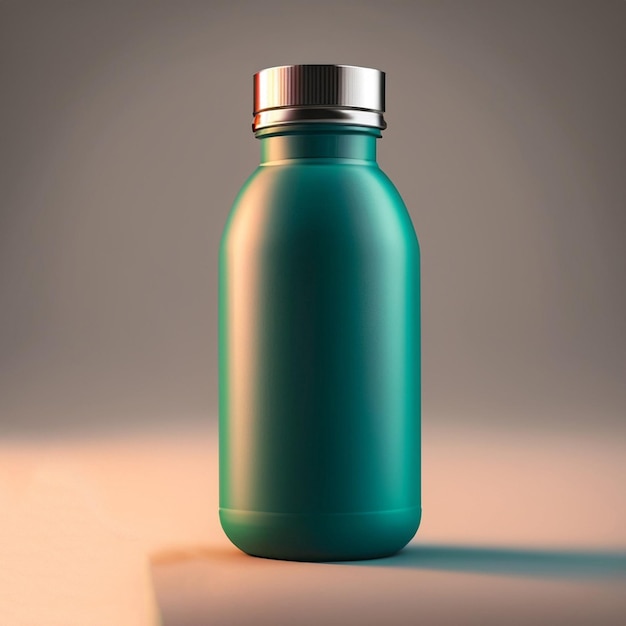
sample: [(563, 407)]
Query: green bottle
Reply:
[(319, 330)]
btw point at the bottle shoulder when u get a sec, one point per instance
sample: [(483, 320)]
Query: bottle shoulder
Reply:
[(306, 184), (322, 201)]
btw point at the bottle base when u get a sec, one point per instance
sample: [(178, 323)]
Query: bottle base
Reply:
[(319, 537)]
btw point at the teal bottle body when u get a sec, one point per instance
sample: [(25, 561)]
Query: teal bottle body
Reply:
[(319, 353)]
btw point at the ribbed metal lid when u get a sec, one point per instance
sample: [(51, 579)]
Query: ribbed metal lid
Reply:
[(296, 94)]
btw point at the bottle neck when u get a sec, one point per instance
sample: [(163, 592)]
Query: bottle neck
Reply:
[(319, 143)]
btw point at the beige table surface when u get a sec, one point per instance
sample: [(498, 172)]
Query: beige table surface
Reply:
[(518, 528)]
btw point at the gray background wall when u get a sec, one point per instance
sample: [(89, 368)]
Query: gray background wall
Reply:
[(125, 134)]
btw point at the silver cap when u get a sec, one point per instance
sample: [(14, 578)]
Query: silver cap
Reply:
[(338, 94)]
